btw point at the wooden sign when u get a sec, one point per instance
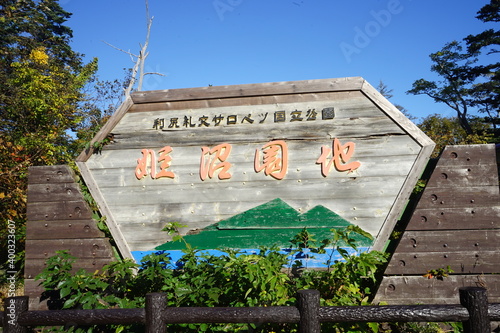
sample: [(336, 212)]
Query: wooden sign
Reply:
[(247, 165)]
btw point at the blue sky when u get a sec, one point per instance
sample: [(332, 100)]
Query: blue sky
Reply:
[(223, 42)]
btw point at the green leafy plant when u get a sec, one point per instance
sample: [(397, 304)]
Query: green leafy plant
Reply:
[(439, 273), (232, 279)]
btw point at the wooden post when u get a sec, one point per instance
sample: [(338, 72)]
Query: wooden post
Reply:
[(156, 304), (13, 307), (475, 299), (308, 305)]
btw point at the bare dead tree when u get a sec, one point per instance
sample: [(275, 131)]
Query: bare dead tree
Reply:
[(137, 74)]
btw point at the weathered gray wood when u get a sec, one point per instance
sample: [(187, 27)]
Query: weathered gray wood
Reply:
[(391, 150), (476, 301), (396, 115), (368, 152), (274, 88), (249, 100), (105, 211)]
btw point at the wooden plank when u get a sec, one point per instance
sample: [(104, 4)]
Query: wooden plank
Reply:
[(402, 198), (457, 218), (32, 287), (88, 264), (238, 101), (54, 192), (414, 174), (60, 210), (143, 228), (128, 139), (63, 229), (398, 290), (80, 248), (300, 152), (50, 174), (33, 290), (397, 116), (473, 196), (260, 89), (104, 209), (464, 176), (362, 116), (468, 155), (465, 241), (472, 262)]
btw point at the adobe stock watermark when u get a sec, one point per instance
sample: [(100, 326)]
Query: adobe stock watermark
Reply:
[(223, 6), (11, 271), (363, 36)]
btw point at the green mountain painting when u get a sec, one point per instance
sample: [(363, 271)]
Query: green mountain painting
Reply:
[(274, 223)]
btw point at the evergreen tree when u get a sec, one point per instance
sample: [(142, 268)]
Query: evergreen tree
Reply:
[(466, 81)]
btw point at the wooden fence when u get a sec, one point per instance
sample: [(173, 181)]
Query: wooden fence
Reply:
[(474, 312)]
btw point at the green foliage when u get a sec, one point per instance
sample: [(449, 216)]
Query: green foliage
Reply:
[(47, 93), (41, 86), (470, 78), (233, 279), (439, 273), (447, 131)]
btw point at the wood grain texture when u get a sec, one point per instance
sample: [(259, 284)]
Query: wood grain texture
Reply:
[(37, 265), (52, 191), (50, 174), (448, 218), (261, 89), (80, 248), (455, 223), (104, 209), (391, 150), (60, 219), (63, 229), (420, 290)]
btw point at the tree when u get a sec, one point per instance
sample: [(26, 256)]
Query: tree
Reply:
[(446, 131), (466, 84), (137, 72), (486, 94), (453, 66), (42, 81)]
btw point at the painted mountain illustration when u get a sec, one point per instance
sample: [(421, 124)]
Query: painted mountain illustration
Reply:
[(271, 224)]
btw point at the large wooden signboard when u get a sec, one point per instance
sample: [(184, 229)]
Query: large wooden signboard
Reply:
[(320, 153)]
